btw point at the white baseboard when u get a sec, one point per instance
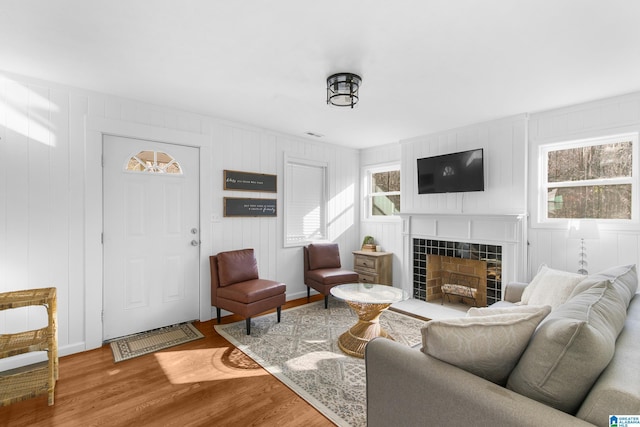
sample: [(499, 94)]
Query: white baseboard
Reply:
[(38, 356)]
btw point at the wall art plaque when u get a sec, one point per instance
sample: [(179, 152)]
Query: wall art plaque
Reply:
[(249, 181), (239, 206)]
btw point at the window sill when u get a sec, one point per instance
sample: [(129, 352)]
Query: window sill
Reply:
[(383, 219)]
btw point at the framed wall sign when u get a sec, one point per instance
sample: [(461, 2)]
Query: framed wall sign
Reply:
[(249, 181), (240, 206)]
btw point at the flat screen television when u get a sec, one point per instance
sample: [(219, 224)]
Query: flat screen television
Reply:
[(451, 173)]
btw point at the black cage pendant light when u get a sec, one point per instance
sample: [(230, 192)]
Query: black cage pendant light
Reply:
[(342, 89)]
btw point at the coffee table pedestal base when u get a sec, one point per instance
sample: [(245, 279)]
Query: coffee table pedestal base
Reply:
[(368, 327)]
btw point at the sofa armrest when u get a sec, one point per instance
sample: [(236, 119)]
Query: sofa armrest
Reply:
[(406, 387), (513, 291)]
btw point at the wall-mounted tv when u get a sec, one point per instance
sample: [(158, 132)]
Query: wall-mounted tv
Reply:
[(451, 173)]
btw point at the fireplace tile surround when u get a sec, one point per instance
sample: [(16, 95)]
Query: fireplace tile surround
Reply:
[(498, 239), (491, 254)]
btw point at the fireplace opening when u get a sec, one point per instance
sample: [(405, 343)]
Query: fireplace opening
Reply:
[(434, 262), (460, 280)]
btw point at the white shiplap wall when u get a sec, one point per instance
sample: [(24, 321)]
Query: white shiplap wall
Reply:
[(50, 182), (504, 144), (51, 193), (549, 245), (387, 233)]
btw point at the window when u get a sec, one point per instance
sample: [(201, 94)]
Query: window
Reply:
[(382, 191), (589, 178), (153, 162), (305, 201)]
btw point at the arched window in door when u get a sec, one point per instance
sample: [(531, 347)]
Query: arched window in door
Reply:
[(154, 162)]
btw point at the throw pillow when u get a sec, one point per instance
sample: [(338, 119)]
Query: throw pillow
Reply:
[(487, 346), (236, 266), (550, 287), (570, 348), (324, 256)]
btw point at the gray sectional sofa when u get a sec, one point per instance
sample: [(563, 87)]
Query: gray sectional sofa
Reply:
[(579, 365)]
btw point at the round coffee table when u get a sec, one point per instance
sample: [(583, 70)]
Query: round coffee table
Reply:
[(368, 301)]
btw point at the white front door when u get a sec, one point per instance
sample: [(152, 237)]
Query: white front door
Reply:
[(151, 235)]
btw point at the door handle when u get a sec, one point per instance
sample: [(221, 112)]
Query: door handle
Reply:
[(195, 243)]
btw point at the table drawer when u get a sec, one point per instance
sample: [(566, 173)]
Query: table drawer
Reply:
[(368, 278), (365, 262)]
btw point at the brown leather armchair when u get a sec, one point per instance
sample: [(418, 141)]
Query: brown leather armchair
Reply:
[(323, 271), (235, 286)]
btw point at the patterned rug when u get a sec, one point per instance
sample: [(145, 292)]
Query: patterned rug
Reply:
[(148, 342), (302, 351)]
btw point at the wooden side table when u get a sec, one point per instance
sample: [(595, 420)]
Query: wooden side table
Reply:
[(36, 380), (373, 267)]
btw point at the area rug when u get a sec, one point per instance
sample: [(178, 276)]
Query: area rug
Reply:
[(302, 351), (148, 342)]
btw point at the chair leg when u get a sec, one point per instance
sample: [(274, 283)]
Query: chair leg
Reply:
[(279, 309), (326, 301), (248, 322), (308, 293), (218, 314)]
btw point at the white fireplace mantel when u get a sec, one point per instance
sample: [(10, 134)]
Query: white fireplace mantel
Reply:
[(494, 229), (506, 230)]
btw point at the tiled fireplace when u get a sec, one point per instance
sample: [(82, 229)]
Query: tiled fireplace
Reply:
[(492, 247), (432, 257)]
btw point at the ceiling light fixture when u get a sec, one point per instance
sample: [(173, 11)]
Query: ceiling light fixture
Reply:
[(342, 89)]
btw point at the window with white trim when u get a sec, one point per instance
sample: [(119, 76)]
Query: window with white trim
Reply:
[(305, 201), (381, 191), (593, 178), (153, 162)]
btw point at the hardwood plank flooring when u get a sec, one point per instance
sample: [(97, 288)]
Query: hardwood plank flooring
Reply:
[(207, 382)]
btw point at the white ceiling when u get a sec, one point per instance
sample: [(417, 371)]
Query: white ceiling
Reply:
[(426, 65)]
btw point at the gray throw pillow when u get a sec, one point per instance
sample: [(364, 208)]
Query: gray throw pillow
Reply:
[(570, 348), (487, 346)]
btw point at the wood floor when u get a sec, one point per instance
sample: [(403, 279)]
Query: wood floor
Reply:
[(207, 382)]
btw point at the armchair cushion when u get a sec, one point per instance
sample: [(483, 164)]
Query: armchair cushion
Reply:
[(237, 266), (324, 256), (487, 346), (332, 276), (251, 291)]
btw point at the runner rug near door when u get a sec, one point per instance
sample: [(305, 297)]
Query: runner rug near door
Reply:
[(148, 342), (302, 351)]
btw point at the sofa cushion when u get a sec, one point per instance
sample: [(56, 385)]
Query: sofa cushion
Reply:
[(624, 279), (570, 348), (550, 287), (236, 266), (504, 303), (617, 390), (324, 256), (487, 346), (505, 309)]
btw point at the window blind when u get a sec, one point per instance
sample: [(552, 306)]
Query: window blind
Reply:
[(304, 203)]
